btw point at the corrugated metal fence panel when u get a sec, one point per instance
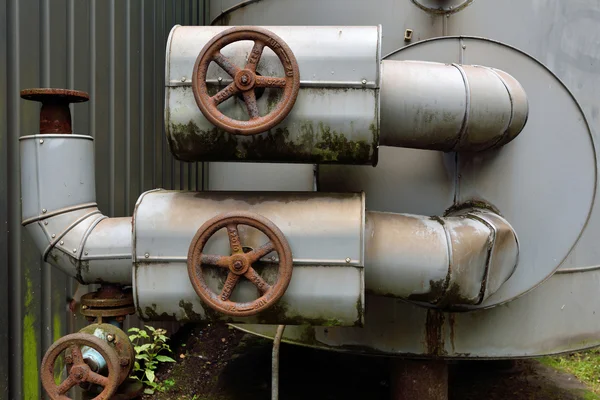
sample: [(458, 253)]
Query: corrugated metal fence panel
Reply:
[(115, 50)]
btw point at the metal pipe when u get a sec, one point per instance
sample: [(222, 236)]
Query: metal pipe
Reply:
[(59, 210), (275, 363), (460, 259), (436, 106)]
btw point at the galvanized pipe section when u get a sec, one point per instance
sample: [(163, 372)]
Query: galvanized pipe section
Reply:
[(426, 105), (456, 260), (59, 210)]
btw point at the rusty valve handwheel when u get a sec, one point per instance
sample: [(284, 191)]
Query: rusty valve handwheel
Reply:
[(245, 80), (79, 372), (239, 263)]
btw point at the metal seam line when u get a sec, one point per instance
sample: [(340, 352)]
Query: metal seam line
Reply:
[(87, 234), (58, 212), (79, 220)]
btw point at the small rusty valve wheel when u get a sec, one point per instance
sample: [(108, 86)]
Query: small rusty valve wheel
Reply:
[(79, 372), (239, 263), (245, 80)]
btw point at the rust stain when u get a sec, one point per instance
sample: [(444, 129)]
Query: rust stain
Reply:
[(434, 332), (55, 115)]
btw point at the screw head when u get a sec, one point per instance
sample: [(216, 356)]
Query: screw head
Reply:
[(74, 250), (44, 211), (244, 79), (62, 242), (110, 337), (146, 255), (86, 253), (464, 46), (41, 141), (183, 79), (348, 260), (220, 79), (364, 81), (53, 235), (238, 265), (124, 362)]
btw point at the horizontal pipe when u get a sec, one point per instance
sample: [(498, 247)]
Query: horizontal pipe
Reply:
[(460, 259), (449, 107)]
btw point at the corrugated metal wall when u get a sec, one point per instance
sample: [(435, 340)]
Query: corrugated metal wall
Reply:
[(115, 51)]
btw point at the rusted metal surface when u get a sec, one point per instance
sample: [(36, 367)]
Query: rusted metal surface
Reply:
[(419, 379), (334, 120), (119, 342), (55, 115), (108, 301), (246, 80), (80, 372), (239, 263)]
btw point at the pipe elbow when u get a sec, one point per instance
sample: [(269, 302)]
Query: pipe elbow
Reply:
[(60, 213), (452, 261)]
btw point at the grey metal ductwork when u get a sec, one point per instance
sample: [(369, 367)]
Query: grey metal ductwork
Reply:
[(460, 259), (60, 212), (436, 106)]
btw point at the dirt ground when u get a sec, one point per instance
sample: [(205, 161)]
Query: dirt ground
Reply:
[(216, 362)]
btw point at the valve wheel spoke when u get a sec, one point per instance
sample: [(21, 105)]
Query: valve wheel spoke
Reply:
[(215, 260), (255, 55), (270, 82), (260, 252), (226, 64), (225, 93), (97, 379), (251, 104), (230, 283), (257, 280), (76, 355), (66, 385), (234, 239)]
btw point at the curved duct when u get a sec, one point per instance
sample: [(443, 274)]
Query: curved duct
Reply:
[(60, 212), (449, 107), (460, 259)]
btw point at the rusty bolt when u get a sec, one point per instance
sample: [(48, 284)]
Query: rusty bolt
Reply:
[(55, 115), (124, 362), (110, 337), (238, 265), (78, 375), (244, 79)]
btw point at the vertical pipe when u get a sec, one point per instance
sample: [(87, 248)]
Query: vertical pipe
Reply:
[(111, 110), (142, 94), (15, 293), (275, 363), (92, 129), (127, 105), (46, 287)]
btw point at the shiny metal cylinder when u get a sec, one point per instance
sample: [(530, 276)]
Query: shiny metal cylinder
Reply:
[(449, 107)]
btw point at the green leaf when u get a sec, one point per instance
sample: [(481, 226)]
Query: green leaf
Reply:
[(164, 359), (144, 347), (150, 328), (133, 337), (148, 391), (150, 375), (133, 330), (144, 334), (136, 366), (141, 356)]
